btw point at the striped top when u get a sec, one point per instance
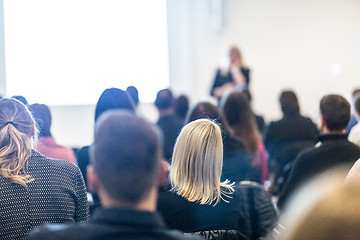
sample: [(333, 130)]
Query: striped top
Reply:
[(57, 195)]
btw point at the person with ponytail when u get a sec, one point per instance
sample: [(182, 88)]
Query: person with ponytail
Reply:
[(34, 189)]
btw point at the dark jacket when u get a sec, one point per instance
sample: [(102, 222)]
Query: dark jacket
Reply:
[(333, 151), (170, 126), (237, 161), (57, 195), (221, 79), (289, 129), (249, 210), (112, 224)]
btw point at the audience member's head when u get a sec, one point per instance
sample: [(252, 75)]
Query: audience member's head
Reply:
[(331, 211), (21, 99), (335, 112), (206, 110), (357, 106), (134, 94), (240, 118), (113, 98), (289, 103), (42, 116), (17, 127), (355, 93), (125, 158), (197, 163), (181, 106), (164, 99)]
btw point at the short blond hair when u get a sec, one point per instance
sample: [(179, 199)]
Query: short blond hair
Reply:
[(197, 163)]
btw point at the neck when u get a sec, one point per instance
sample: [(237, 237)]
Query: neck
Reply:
[(325, 130), (148, 204), (166, 112)]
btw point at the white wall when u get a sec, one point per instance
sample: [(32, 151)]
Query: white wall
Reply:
[(287, 44), (2, 51)]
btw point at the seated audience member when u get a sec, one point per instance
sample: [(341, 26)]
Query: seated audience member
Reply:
[(134, 95), (241, 119), (46, 144), (236, 160), (260, 122), (353, 118), (289, 135), (325, 209), (199, 201), (21, 99), (111, 98), (168, 122), (181, 107), (332, 150), (354, 135), (34, 189), (125, 171)]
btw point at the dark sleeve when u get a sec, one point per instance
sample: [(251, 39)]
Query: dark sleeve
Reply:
[(246, 73), (295, 179), (82, 207), (266, 215)]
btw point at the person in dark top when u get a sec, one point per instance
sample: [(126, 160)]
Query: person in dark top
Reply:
[(291, 129), (168, 122), (125, 171), (237, 77), (199, 200), (332, 150), (110, 99), (236, 160)]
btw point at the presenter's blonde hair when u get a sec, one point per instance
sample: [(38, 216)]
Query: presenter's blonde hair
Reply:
[(197, 164)]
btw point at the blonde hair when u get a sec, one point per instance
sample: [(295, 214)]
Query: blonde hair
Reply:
[(330, 210), (16, 129), (197, 163)]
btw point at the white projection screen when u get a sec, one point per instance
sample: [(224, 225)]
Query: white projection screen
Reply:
[(66, 52)]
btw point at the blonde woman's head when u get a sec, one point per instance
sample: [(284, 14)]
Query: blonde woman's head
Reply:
[(17, 127), (197, 163)]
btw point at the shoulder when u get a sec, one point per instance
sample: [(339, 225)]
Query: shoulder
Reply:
[(40, 162)]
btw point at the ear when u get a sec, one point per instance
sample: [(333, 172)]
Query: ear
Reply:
[(92, 179), (163, 172)]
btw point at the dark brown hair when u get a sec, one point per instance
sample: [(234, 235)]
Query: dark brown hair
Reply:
[(126, 155), (241, 119)]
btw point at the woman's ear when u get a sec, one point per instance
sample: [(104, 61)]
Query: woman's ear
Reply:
[(92, 179)]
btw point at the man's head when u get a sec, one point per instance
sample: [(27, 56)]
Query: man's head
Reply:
[(335, 112), (164, 99), (125, 157), (289, 103)]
